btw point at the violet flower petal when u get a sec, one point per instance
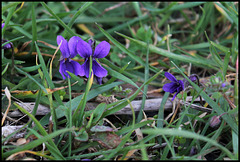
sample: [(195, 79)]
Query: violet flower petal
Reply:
[(62, 68), (102, 50), (78, 69), (174, 96), (64, 46), (72, 45), (170, 87), (98, 70), (170, 77), (90, 42), (7, 46), (71, 66), (181, 84), (99, 80), (84, 49), (85, 66)]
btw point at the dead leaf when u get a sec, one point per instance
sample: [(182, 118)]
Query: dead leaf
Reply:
[(9, 104), (19, 142)]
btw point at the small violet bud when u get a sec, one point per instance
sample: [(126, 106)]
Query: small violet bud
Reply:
[(223, 85), (193, 151), (193, 78), (215, 121)]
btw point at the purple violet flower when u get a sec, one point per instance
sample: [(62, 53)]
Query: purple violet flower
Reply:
[(175, 86), (86, 50), (69, 51), (6, 46)]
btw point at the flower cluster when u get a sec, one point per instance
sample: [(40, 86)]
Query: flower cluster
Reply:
[(86, 50), (8, 45)]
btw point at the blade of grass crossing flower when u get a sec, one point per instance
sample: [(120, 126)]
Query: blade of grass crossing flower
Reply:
[(187, 134), (146, 76), (213, 104), (40, 127)]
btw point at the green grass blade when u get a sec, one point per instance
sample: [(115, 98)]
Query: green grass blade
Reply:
[(79, 12), (121, 47), (152, 48), (9, 16), (225, 63), (146, 76), (58, 19), (45, 72), (125, 102), (122, 26), (30, 77), (38, 142), (120, 76), (185, 5), (186, 134), (40, 127), (12, 40), (160, 118), (34, 25), (9, 5)]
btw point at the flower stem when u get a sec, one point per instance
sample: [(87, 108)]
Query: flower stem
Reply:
[(79, 112)]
